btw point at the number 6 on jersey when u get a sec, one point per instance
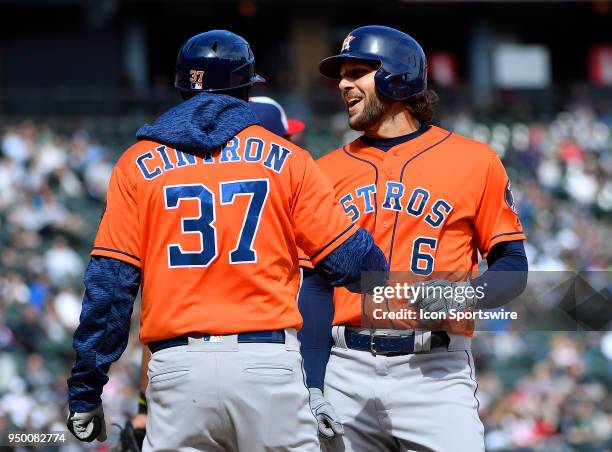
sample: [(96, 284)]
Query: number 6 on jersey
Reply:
[(203, 224)]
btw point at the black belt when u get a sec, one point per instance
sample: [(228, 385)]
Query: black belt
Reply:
[(264, 337), (391, 345)]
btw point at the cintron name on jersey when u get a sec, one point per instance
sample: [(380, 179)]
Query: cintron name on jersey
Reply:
[(157, 161)]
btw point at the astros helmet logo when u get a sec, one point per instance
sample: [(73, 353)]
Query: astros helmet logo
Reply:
[(346, 45)]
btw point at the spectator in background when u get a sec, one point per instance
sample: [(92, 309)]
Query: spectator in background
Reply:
[(62, 263), (96, 178), (11, 175), (273, 118), (17, 403), (18, 143), (67, 306)]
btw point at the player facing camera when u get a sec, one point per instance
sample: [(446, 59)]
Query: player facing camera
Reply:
[(433, 201), (382, 73)]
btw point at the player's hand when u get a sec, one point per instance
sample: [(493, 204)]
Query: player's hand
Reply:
[(440, 295), (88, 426), (329, 423)]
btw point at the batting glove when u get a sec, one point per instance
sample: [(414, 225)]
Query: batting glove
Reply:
[(88, 426), (329, 424), (440, 295)]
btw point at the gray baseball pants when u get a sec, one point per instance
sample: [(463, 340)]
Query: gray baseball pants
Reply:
[(417, 402), (216, 394)]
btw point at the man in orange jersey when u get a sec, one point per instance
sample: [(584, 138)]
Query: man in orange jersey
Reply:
[(273, 118), (206, 212), (432, 200)]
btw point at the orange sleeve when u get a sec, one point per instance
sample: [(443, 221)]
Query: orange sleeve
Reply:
[(496, 219), (320, 224), (117, 235)]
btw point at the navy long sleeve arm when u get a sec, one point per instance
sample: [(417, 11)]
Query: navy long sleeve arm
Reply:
[(500, 288), (316, 303), (344, 266), (111, 287)]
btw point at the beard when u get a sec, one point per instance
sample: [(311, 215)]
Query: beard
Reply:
[(374, 108)]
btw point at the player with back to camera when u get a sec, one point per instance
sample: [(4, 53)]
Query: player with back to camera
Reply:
[(432, 200), (273, 118), (205, 212)]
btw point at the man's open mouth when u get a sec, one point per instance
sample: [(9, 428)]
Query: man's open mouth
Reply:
[(353, 101)]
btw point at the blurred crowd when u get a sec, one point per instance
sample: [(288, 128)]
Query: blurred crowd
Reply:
[(537, 391), (545, 391), (52, 189)]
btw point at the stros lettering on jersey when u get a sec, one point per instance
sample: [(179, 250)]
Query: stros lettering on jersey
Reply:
[(201, 225), (431, 204)]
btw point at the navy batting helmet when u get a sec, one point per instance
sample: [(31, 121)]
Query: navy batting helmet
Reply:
[(403, 66), (216, 60)]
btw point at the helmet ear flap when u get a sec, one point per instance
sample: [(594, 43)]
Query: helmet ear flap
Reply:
[(391, 85), (380, 81), (398, 86), (397, 80)]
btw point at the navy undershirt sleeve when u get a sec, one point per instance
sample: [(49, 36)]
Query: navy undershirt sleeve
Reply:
[(111, 287), (500, 288), (316, 303)]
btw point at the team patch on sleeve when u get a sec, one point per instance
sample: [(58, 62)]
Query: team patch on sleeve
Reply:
[(509, 197)]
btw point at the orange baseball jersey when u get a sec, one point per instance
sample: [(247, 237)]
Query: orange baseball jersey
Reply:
[(431, 203), (215, 236)]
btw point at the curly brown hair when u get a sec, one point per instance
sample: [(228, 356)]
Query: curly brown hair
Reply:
[(422, 106)]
